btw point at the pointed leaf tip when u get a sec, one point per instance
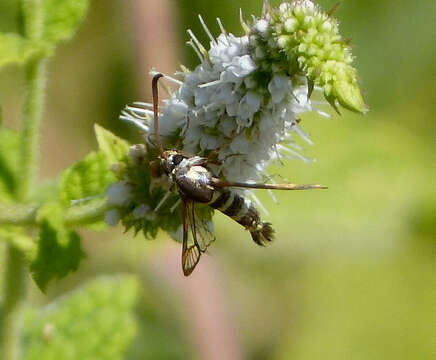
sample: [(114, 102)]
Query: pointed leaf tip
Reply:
[(111, 145)]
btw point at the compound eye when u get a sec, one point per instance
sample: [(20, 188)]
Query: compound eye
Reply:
[(177, 159)]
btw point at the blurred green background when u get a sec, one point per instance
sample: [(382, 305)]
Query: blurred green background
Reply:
[(352, 274)]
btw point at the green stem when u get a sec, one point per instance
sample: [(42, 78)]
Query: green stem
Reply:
[(14, 291), (35, 73), (15, 273), (35, 82), (81, 215), (18, 214), (76, 215)]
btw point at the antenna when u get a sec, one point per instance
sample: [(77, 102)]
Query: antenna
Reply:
[(154, 88)]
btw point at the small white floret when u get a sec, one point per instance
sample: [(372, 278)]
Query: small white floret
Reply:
[(112, 217), (261, 25), (119, 193), (279, 87)]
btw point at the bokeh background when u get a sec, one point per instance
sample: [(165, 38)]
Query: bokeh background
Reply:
[(352, 273)]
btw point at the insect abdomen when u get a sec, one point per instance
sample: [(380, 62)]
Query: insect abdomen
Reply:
[(245, 213)]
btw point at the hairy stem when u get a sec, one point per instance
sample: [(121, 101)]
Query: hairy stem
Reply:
[(76, 215), (35, 73), (14, 294), (15, 272)]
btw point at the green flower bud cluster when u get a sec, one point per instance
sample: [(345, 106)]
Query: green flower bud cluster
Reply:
[(142, 197), (139, 195), (302, 40)]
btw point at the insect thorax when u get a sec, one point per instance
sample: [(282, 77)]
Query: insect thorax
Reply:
[(192, 178)]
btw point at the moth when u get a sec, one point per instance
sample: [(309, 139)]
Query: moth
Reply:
[(193, 180)]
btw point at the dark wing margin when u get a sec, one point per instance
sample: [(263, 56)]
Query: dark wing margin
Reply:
[(190, 252)]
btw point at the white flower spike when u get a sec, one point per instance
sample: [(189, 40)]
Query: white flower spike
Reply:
[(241, 105), (248, 92)]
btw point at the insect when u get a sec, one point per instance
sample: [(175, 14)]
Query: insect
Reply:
[(191, 177)]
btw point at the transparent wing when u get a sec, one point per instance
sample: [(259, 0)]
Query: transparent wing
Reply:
[(196, 241), (222, 183), (201, 228), (190, 250)]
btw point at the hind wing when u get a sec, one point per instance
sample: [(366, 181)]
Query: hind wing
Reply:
[(201, 228)]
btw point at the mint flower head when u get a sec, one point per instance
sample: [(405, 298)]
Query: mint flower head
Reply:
[(241, 105)]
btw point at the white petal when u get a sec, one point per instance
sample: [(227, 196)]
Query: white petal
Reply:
[(112, 217), (261, 25), (119, 193), (279, 87)]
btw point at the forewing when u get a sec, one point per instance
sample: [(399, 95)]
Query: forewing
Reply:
[(219, 183), (190, 250), (201, 228), (190, 259)]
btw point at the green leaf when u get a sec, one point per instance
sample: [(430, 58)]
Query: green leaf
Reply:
[(94, 322), (9, 147), (15, 49), (112, 146), (17, 237), (46, 190), (86, 178), (58, 249), (62, 18)]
